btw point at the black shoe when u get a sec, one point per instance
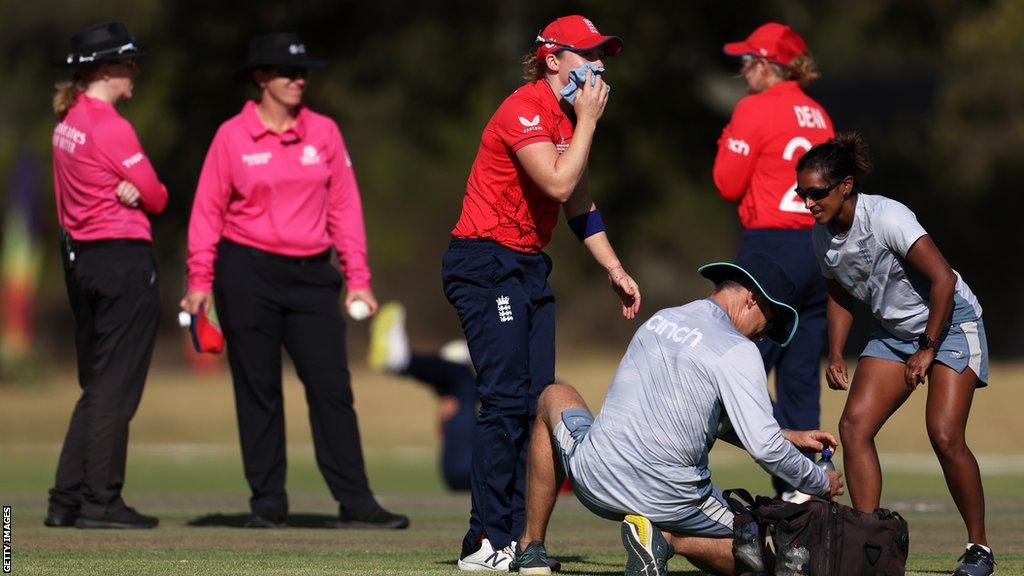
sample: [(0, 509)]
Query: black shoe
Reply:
[(375, 518), (976, 562), (61, 518), (257, 521), (123, 518)]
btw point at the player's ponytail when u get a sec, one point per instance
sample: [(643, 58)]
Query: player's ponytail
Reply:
[(802, 69), (845, 155), (533, 68), (68, 90)]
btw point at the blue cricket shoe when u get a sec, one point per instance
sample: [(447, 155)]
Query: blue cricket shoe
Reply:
[(976, 561)]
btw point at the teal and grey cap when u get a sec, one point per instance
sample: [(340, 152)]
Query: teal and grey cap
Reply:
[(771, 280)]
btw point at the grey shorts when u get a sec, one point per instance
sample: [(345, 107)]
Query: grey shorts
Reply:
[(712, 518), (961, 346)]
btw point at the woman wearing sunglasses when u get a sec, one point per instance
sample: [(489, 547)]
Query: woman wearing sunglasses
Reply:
[(757, 152), (106, 189), (531, 163), (928, 325), (277, 192)]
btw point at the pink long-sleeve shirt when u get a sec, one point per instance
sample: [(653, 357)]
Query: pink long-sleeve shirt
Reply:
[(94, 149), (293, 194)]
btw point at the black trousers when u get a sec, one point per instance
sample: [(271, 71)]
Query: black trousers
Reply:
[(265, 301), (114, 294)]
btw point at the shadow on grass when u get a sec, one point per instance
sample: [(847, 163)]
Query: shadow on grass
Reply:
[(608, 568), (324, 521)]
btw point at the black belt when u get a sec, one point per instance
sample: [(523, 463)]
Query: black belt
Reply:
[(110, 243), (324, 256)]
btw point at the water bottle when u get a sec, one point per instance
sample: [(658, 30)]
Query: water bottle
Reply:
[(825, 462)]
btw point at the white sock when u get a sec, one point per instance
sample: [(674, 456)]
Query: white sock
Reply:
[(982, 546)]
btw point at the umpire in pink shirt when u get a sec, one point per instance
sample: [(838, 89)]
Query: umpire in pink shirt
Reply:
[(276, 193), (105, 191)]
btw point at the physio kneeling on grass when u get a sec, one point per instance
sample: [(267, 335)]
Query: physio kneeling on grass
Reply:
[(643, 459)]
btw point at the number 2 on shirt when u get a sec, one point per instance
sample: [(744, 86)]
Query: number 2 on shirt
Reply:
[(790, 201)]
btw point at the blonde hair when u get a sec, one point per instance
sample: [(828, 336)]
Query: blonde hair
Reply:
[(68, 90), (802, 69)]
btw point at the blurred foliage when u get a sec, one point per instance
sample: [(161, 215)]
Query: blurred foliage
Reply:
[(929, 83)]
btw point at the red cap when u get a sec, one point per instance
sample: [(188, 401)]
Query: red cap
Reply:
[(575, 33), (206, 336), (773, 41)]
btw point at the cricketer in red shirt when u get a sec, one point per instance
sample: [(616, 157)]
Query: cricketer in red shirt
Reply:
[(759, 148), (502, 203)]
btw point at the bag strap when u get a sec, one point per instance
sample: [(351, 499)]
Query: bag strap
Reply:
[(739, 499)]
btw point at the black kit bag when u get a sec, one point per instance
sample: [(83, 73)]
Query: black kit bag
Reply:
[(818, 538)]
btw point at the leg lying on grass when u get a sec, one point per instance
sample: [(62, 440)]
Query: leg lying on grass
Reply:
[(711, 555)]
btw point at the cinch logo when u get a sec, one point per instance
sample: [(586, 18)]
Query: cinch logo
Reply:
[(504, 309), (309, 156), (256, 159), (133, 160), (809, 117), (738, 146), (297, 49), (674, 332), (590, 26), (531, 125)]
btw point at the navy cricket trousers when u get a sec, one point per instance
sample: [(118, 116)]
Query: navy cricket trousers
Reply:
[(507, 311), (797, 366), (456, 380)]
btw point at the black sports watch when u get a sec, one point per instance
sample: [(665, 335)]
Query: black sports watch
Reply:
[(924, 342)]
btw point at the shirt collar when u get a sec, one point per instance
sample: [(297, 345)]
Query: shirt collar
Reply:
[(785, 86), (95, 103), (548, 96), (254, 126), (720, 314)]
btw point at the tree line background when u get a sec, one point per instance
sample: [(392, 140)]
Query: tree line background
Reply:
[(933, 85)]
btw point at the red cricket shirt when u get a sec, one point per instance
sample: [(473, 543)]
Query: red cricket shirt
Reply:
[(94, 149), (501, 202), (758, 152), (293, 194)]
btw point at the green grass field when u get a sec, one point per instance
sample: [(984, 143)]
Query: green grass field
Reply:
[(184, 466)]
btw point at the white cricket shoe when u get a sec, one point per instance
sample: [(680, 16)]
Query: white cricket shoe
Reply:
[(487, 559)]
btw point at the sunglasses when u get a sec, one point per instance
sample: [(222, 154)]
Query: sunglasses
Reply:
[(816, 194), (290, 72), (592, 54)]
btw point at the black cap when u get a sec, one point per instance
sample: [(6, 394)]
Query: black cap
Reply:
[(771, 280), (277, 49), (106, 42)]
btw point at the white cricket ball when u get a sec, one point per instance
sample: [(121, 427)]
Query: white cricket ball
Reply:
[(359, 310), (184, 319)]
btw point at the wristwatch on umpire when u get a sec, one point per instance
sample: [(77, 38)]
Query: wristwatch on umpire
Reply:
[(925, 342)]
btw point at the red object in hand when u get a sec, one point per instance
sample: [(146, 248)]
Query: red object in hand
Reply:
[(206, 336)]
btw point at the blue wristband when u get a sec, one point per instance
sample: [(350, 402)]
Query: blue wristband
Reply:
[(586, 225)]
